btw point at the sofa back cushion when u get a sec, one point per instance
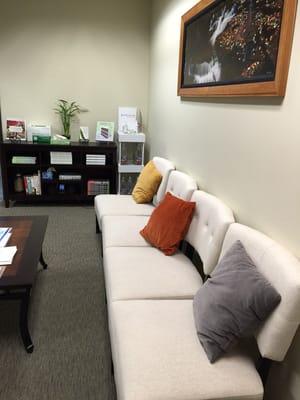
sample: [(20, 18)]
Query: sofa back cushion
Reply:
[(208, 228), (181, 185), (164, 167), (282, 270)]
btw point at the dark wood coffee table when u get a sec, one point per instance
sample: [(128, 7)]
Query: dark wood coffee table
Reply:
[(17, 280)]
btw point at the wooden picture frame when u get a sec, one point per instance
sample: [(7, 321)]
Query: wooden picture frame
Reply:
[(269, 78)]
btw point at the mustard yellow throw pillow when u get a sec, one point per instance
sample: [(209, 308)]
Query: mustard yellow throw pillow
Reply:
[(147, 184)]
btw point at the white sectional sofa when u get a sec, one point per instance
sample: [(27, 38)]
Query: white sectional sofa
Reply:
[(155, 349)]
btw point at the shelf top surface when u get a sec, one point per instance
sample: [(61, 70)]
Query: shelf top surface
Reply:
[(72, 145)]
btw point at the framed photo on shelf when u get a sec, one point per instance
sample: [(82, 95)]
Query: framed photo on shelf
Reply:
[(15, 129), (236, 48), (105, 131), (84, 134)]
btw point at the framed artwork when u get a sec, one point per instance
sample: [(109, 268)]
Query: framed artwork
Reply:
[(236, 48), (105, 131)]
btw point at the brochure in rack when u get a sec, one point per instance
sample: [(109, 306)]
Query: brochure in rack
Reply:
[(128, 120), (15, 129)]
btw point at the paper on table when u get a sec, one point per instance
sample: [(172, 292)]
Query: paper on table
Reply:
[(3, 232), (7, 254), (4, 240)]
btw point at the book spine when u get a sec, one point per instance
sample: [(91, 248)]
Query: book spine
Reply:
[(25, 184)]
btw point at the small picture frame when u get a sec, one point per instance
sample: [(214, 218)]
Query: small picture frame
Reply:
[(105, 131), (84, 134), (15, 129)]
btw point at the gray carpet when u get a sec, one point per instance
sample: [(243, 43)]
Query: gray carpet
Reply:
[(68, 320)]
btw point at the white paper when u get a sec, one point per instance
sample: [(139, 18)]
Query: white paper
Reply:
[(7, 254), (4, 240)]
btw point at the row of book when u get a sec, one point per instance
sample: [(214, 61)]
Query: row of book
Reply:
[(23, 160), (95, 159), (61, 157), (32, 184)]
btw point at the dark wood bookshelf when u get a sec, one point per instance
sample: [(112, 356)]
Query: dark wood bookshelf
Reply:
[(75, 190)]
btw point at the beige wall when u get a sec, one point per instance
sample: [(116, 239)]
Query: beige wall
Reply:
[(247, 152), (95, 52)]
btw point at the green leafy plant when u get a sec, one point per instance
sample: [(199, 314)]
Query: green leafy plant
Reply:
[(66, 112)]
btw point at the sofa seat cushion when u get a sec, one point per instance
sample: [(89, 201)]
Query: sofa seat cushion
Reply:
[(145, 273), (107, 204), (157, 355), (123, 231)]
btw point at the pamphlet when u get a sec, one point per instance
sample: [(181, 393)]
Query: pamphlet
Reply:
[(5, 234), (7, 254)]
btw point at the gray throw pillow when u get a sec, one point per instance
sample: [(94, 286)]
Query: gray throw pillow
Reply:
[(232, 303)]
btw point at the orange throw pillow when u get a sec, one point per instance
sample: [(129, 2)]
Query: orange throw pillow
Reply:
[(169, 223)]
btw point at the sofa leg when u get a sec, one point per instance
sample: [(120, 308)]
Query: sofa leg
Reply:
[(97, 226), (263, 367), (112, 370), (101, 244)]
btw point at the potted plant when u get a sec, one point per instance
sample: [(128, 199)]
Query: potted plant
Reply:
[(66, 112)]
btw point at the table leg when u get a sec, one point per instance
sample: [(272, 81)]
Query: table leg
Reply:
[(24, 322), (42, 261)]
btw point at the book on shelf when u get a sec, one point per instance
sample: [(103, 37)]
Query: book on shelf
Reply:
[(23, 160), (32, 184), (95, 163), (69, 177), (95, 156)]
